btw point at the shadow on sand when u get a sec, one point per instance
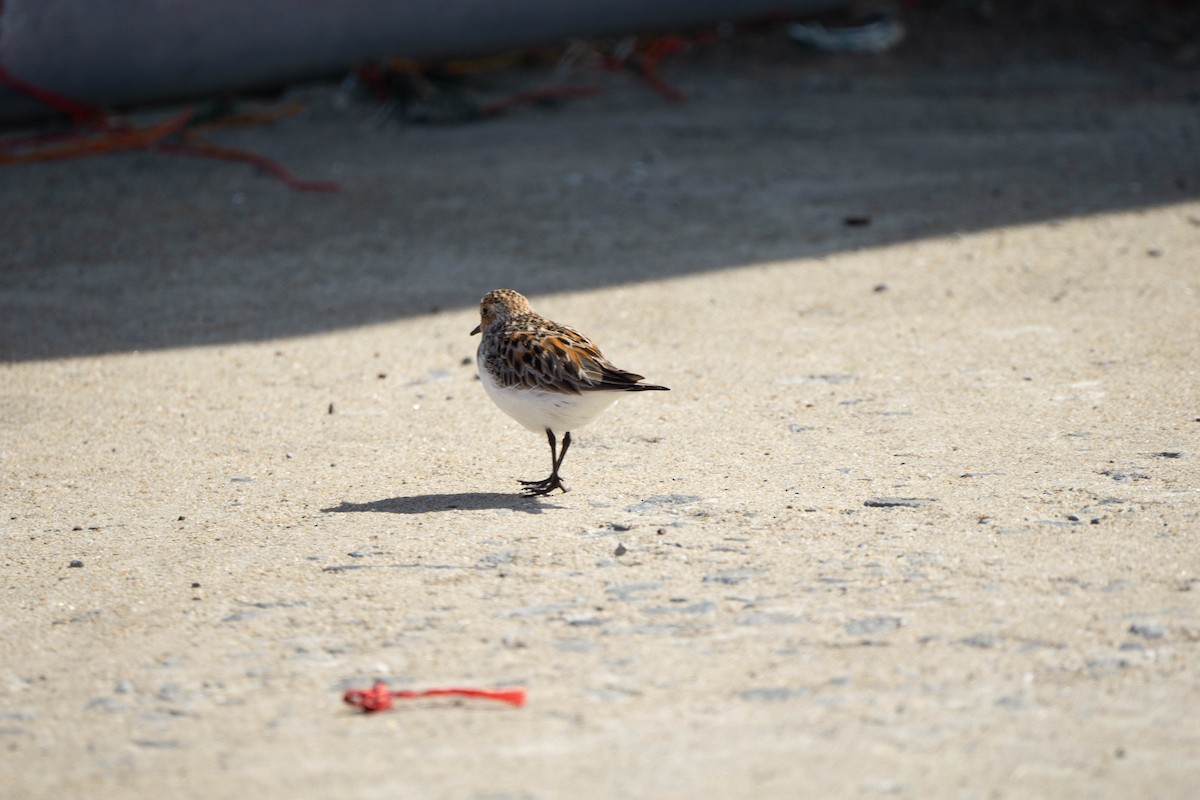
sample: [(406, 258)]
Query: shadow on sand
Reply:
[(454, 501)]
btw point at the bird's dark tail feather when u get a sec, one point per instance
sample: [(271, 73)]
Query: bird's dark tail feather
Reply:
[(646, 387)]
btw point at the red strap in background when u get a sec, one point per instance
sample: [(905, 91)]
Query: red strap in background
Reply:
[(113, 135), (80, 113)]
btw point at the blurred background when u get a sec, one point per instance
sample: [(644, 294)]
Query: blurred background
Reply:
[(177, 173)]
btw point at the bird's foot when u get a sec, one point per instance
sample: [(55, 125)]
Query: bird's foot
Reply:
[(543, 487)]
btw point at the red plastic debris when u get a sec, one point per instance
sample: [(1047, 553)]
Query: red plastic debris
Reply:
[(379, 697)]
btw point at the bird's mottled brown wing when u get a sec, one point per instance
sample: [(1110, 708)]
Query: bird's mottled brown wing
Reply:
[(555, 358)]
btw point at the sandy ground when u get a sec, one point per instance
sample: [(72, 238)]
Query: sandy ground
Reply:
[(919, 517)]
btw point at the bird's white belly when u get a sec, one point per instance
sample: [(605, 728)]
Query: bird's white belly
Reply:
[(538, 410)]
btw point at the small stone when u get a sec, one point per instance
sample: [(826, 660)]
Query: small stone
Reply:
[(1107, 666), (772, 694), (539, 610), (656, 503), (163, 744), (769, 618), (109, 704), (1125, 476), (981, 640), (702, 607), (620, 551), (1072, 517), (1148, 630), (732, 577), (75, 564), (498, 558), (897, 502), (628, 591), (577, 646), (872, 625)]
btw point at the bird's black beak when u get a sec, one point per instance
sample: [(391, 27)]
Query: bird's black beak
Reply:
[(476, 330)]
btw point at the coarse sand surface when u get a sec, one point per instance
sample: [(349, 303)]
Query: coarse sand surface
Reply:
[(918, 518)]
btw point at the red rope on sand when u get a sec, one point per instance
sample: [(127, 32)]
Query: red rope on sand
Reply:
[(642, 57), (662, 46), (113, 139), (116, 135), (203, 149), (379, 697)]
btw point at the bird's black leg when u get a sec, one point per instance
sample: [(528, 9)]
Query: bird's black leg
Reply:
[(548, 485), (563, 452)]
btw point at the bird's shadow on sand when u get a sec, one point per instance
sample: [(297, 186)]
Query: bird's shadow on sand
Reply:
[(454, 501)]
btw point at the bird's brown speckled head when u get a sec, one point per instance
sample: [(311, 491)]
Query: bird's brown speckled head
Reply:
[(498, 306)]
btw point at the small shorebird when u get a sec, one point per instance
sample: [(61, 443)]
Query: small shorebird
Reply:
[(546, 376)]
